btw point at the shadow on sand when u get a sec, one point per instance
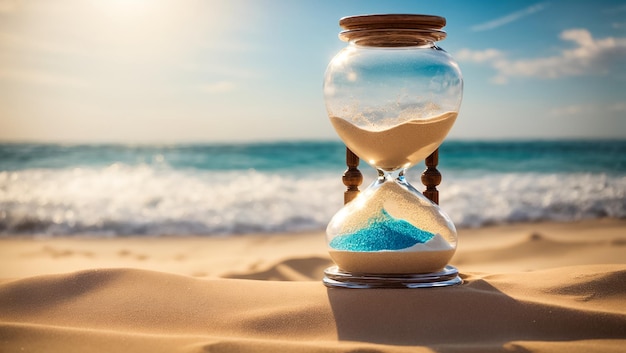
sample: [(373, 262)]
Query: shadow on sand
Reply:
[(474, 314)]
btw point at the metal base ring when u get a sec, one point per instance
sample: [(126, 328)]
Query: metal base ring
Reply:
[(337, 278)]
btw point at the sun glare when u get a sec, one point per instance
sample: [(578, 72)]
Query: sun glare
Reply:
[(133, 27)]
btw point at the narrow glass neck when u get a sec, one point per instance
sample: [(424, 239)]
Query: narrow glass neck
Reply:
[(396, 176), (387, 175)]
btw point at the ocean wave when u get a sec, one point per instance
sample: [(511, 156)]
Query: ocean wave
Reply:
[(124, 200), (531, 197)]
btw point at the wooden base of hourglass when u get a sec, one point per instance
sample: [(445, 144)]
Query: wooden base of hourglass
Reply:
[(336, 277)]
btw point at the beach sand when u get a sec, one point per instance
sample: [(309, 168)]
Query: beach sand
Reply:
[(544, 287)]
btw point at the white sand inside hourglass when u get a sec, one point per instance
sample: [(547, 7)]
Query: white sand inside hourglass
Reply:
[(392, 262), (399, 146)]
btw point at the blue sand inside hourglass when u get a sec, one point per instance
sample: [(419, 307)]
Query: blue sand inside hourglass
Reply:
[(382, 232)]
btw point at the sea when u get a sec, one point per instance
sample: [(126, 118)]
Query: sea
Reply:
[(116, 190)]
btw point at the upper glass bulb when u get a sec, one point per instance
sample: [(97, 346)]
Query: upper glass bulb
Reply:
[(392, 95)]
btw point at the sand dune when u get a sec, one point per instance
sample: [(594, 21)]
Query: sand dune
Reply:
[(298, 269), (527, 288), (99, 308)]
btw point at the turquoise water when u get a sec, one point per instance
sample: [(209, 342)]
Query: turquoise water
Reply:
[(310, 156), (382, 232), (115, 190)]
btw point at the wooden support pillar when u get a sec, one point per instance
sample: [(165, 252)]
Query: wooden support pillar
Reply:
[(352, 177), (431, 177)]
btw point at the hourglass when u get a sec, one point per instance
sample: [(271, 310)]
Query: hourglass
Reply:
[(392, 96)]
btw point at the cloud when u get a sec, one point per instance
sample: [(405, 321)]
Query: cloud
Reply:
[(17, 64), (12, 42), (42, 78), (615, 9), (588, 108), (568, 110), (595, 56), (501, 21), (619, 107), (219, 87), (478, 56)]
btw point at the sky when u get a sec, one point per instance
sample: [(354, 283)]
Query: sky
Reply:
[(187, 71)]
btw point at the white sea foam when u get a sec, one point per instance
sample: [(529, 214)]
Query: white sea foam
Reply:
[(142, 200), (121, 200), (524, 197)]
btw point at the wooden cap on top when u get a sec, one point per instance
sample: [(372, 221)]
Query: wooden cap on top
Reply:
[(392, 30), (386, 21)]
